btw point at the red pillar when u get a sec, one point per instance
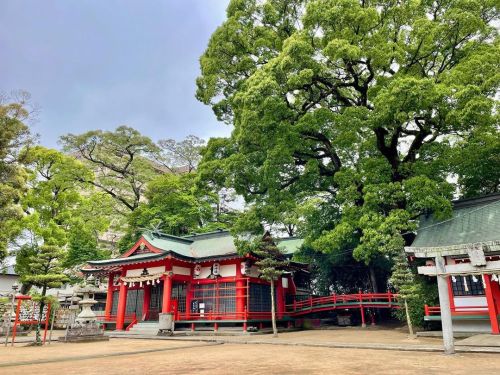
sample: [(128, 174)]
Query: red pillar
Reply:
[(109, 298), (166, 306), (280, 300), (362, 310), (146, 302), (122, 304), (492, 309), (240, 293)]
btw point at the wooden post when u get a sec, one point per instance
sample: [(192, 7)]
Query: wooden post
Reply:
[(47, 320), (492, 310), (16, 320), (444, 302), (122, 305)]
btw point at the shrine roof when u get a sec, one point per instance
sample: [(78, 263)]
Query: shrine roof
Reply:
[(473, 221), (194, 247), (289, 245), (139, 258)]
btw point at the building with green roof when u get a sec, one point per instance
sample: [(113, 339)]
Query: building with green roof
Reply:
[(200, 278), (463, 252)]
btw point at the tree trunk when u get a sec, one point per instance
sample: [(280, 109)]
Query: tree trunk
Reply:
[(38, 339), (373, 279), (273, 311), (408, 319), (25, 288)]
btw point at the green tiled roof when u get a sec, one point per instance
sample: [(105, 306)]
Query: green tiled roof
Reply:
[(290, 245), (473, 221), (196, 247), (165, 242), (134, 258)]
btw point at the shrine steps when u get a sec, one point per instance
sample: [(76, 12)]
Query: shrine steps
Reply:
[(142, 328)]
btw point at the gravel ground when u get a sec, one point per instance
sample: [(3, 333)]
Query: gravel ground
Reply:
[(123, 356), (249, 359)]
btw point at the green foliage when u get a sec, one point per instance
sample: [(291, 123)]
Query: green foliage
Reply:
[(182, 156), (177, 206), (271, 261), (353, 105), (271, 264), (14, 135), (83, 246), (403, 279), (59, 213), (44, 268), (477, 163), (416, 289), (121, 162)]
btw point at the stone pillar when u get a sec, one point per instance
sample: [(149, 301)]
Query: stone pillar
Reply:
[(122, 305), (492, 308), (109, 297), (444, 302), (166, 306)]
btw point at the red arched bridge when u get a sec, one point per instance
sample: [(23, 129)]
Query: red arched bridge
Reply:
[(361, 301), (342, 301)]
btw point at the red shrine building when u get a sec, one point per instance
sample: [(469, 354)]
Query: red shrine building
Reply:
[(200, 278)]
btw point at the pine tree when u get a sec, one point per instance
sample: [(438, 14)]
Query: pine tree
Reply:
[(45, 271), (271, 264), (403, 281)]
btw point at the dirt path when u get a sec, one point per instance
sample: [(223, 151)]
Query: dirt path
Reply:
[(266, 359)]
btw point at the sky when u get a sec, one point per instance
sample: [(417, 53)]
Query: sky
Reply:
[(94, 64)]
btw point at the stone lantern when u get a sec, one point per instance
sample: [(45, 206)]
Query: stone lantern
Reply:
[(86, 328)]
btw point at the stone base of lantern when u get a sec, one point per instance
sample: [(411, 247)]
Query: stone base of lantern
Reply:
[(84, 332)]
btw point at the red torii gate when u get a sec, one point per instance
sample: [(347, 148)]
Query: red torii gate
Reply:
[(17, 321)]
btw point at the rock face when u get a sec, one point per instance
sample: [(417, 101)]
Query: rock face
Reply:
[(86, 328)]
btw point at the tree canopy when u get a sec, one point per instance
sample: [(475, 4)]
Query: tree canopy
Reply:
[(358, 103), (174, 204), (14, 136), (121, 161)]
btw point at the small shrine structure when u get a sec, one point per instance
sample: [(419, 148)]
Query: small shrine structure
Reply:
[(463, 252)]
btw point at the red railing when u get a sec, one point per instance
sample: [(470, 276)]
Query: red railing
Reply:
[(457, 310), (132, 323), (336, 301), (255, 315)]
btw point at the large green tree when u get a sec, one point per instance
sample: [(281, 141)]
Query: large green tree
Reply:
[(58, 211), (359, 103), (14, 136)]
